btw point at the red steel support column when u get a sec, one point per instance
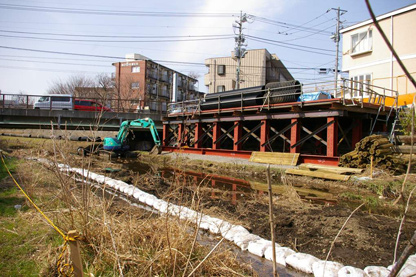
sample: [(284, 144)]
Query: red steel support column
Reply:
[(332, 137), (357, 132), (238, 133), (216, 133), (180, 130), (165, 134), (295, 135), (264, 134), (198, 133)]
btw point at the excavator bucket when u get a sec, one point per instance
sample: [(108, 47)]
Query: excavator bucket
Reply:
[(156, 150)]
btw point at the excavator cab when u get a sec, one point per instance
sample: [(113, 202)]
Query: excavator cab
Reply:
[(130, 137)]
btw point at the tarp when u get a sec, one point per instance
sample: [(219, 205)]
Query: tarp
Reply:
[(311, 96)]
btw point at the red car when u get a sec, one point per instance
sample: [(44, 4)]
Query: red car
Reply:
[(89, 105)]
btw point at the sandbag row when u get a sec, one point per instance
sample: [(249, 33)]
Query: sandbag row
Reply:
[(240, 235)]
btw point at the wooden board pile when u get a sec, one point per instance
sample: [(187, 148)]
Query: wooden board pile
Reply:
[(375, 150), (324, 171)]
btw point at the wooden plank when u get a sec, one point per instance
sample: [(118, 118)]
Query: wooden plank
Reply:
[(316, 174), (336, 169), (275, 158)]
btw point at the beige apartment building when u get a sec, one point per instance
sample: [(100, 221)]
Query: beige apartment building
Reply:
[(366, 57), (258, 67)]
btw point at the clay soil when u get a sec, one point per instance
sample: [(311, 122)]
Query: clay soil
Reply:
[(368, 238)]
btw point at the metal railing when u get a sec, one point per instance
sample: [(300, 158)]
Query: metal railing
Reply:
[(348, 91), (125, 105)]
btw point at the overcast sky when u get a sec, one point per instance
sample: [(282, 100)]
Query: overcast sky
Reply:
[(45, 41)]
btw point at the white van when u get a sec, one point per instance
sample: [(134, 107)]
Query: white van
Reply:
[(55, 102)]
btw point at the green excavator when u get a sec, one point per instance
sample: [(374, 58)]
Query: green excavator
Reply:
[(119, 143)]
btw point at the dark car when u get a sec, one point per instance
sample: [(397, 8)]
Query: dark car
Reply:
[(89, 105)]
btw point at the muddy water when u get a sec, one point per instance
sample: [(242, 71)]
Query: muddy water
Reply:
[(238, 189), (233, 190)]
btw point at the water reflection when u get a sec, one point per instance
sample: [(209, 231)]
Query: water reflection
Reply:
[(229, 188)]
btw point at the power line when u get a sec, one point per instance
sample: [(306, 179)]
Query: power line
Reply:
[(319, 16), (78, 64), (119, 41), (286, 25), (110, 12), (121, 58), (112, 36), (48, 69), (291, 47), (290, 44)]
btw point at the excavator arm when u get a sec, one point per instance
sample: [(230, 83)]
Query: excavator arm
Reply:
[(118, 143)]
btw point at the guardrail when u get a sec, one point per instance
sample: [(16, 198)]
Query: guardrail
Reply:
[(350, 92), (131, 105)]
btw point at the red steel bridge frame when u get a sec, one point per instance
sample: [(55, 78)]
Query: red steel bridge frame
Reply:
[(319, 130)]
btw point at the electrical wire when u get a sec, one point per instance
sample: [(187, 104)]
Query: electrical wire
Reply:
[(113, 36), (293, 48), (119, 41), (120, 58), (110, 12)]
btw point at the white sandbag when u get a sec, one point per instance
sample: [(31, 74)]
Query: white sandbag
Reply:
[(129, 191), (184, 213), (258, 247), (328, 269), (244, 240), (224, 227), (143, 196), (111, 183), (150, 200), (157, 203), (408, 269), (137, 193), (376, 271), (302, 262), (163, 207), (192, 216), (173, 209), (235, 230), (349, 271), (215, 225), (281, 253), (205, 222), (121, 187)]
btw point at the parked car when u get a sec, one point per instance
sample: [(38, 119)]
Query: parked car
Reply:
[(89, 105), (54, 102)]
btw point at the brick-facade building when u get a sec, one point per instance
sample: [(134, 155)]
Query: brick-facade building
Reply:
[(151, 85)]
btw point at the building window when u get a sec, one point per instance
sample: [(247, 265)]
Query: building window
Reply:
[(360, 84), (221, 69), (135, 85), (362, 42), (135, 69), (220, 88)]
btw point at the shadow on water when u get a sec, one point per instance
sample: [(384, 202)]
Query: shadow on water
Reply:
[(236, 189)]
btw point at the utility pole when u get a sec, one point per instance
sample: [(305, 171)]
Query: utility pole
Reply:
[(239, 52), (336, 40)]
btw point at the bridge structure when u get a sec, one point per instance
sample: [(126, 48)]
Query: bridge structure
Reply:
[(70, 119), (19, 111), (319, 128)]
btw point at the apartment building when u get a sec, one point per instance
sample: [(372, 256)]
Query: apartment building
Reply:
[(151, 85), (366, 57), (258, 67)]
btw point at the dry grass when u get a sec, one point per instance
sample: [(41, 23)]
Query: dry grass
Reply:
[(117, 239)]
